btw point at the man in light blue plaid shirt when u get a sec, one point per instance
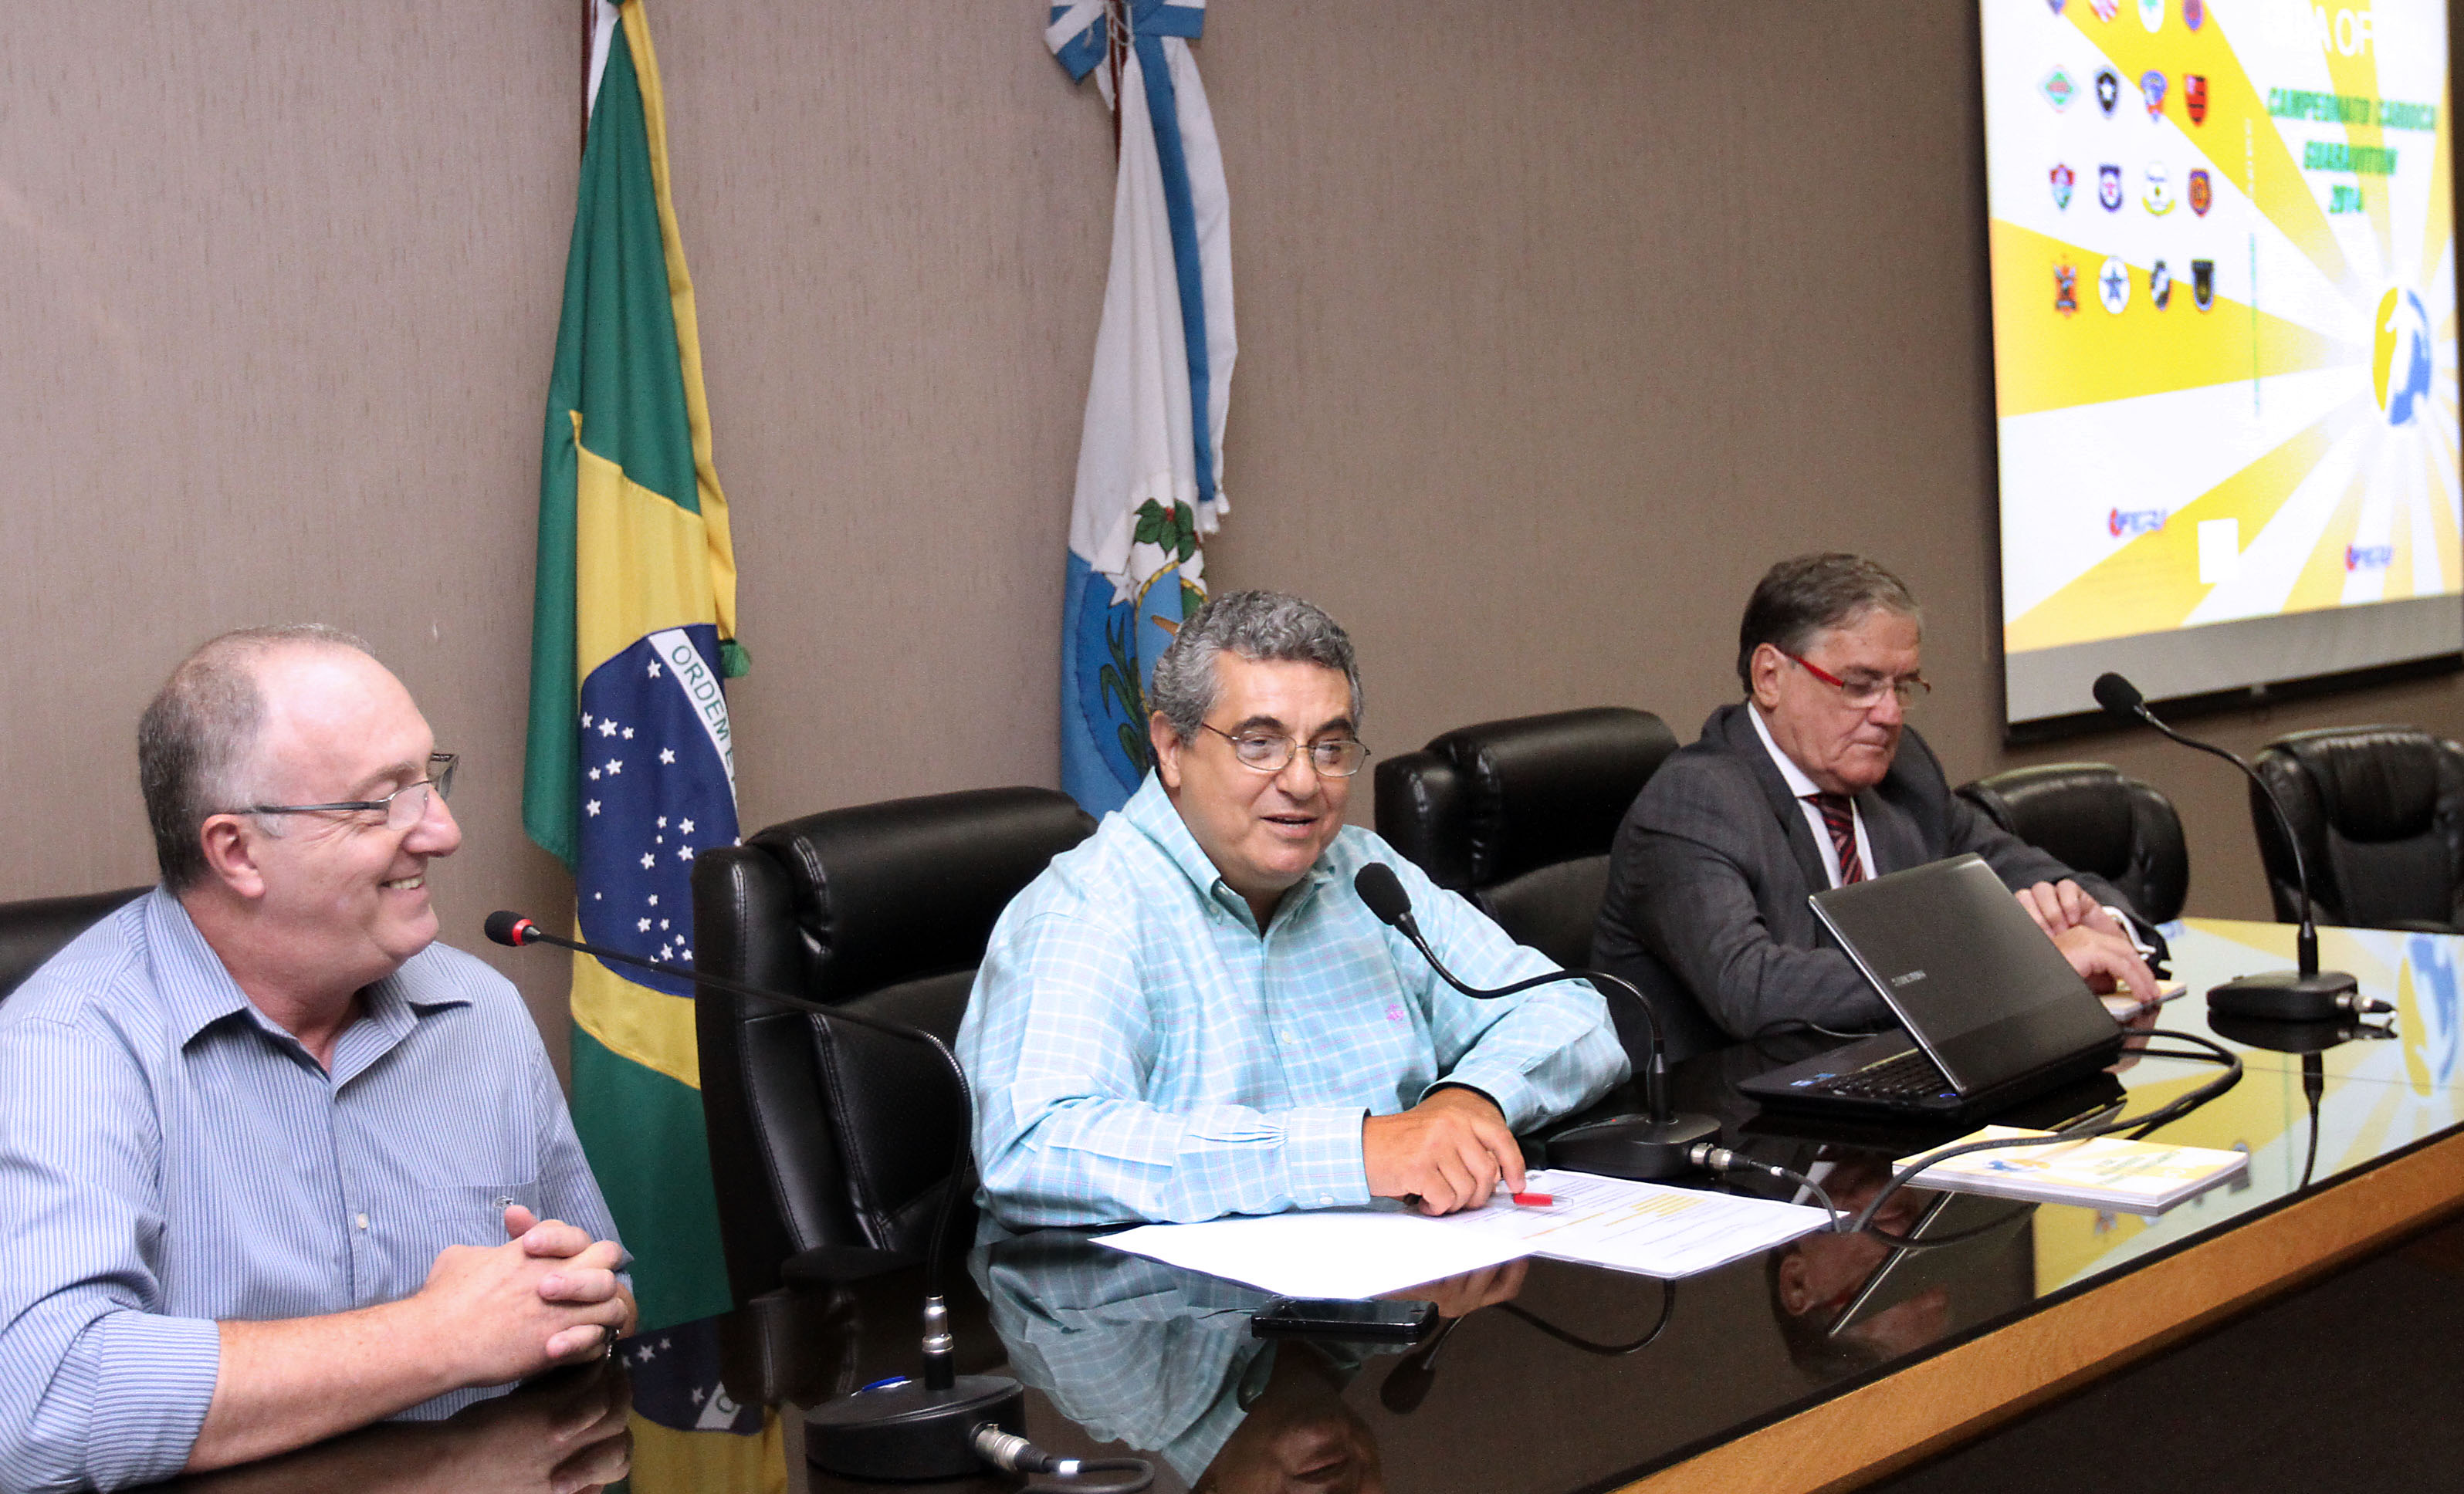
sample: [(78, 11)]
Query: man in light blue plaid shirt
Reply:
[(1192, 1014)]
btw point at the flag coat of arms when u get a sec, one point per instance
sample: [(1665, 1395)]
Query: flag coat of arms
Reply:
[(631, 766), (1151, 450)]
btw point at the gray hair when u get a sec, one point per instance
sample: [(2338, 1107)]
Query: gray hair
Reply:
[(194, 741), (1806, 595), (1258, 626)]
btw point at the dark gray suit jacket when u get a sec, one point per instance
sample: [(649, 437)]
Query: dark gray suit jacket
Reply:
[(1712, 869)]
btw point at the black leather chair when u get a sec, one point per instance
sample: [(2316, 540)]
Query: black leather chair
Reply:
[(1519, 815), (2379, 813), (34, 931), (2095, 818), (828, 1134)]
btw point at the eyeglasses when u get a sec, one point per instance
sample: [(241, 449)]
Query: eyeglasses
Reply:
[(1865, 691), (403, 808), (1336, 758)]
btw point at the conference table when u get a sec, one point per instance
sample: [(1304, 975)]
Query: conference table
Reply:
[(1826, 1363)]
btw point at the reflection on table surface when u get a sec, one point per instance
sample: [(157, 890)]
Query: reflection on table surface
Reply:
[(563, 1433), (1544, 1377)]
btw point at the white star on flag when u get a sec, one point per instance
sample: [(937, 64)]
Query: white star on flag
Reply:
[(615, 765), (586, 718), (648, 861), (628, 733), (684, 853), (654, 899), (663, 821), (686, 827), (591, 808), (654, 669), (606, 728), (594, 775), (666, 755), (642, 925)]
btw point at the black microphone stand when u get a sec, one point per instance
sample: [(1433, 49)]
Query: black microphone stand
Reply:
[(2305, 994), (1659, 1143), (904, 1429)]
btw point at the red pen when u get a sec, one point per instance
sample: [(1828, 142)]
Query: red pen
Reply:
[(1533, 1201)]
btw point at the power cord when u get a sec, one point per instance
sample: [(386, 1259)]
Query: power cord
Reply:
[(1015, 1454), (1722, 1160)]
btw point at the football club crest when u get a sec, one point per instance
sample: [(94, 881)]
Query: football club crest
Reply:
[(2108, 90), (2195, 13), (2159, 285), (2113, 285), (2151, 14), (2108, 187), (2058, 89), (2203, 194), (2152, 87), (2203, 283), (2105, 10), (2194, 97), (2062, 180), (2066, 288), (2159, 197)]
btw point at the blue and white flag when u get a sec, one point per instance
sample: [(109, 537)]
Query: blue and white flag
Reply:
[(1150, 454)]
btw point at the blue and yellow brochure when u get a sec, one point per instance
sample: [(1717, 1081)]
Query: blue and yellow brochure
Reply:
[(2144, 1177)]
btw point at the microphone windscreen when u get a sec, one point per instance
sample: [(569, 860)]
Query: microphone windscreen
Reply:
[(505, 927), (1383, 891), (2118, 696)]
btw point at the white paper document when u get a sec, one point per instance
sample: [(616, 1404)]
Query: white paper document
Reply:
[(1325, 1252), (1626, 1226)]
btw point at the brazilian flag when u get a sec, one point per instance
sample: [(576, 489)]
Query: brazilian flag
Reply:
[(631, 767)]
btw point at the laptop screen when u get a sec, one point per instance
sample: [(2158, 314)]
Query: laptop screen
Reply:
[(1970, 974)]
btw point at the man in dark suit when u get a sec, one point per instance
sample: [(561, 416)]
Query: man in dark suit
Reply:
[(1813, 782)]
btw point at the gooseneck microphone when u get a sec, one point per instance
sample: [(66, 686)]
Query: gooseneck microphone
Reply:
[(901, 1429), (2307, 993), (1659, 1143)]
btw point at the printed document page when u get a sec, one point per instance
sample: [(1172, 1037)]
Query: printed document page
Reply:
[(1361, 1252), (1647, 1228)]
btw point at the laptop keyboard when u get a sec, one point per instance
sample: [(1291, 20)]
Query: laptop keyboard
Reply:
[(1904, 1076)]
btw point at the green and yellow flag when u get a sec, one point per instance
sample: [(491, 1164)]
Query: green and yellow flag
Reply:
[(630, 765)]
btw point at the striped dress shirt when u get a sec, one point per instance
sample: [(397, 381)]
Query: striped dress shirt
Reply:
[(1140, 1049), (169, 1157)]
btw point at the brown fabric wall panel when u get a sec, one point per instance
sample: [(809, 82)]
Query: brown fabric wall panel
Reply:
[(1558, 324)]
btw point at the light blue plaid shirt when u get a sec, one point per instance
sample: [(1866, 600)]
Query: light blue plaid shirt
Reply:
[(170, 1158), (1139, 1050)]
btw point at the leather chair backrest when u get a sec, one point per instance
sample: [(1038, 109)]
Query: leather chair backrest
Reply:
[(34, 931), (1519, 815), (2380, 813), (2091, 817), (825, 1134)]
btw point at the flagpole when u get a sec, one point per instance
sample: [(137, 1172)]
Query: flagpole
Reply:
[(1116, 48)]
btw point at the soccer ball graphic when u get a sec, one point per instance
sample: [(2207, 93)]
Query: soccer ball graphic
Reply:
[(2400, 364)]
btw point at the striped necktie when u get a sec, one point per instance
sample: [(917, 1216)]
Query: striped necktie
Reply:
[(1839, 817)]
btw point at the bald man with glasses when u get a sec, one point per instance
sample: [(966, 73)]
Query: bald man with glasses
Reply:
[(1815, 781), (274, 1162), (1192, 1014)]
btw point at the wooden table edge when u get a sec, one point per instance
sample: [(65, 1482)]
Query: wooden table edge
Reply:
[(1884, 1426)]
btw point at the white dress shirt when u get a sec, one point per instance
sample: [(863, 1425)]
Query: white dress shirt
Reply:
[(1800, 786)]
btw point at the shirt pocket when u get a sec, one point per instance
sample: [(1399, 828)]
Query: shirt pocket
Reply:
[(468, 1214)]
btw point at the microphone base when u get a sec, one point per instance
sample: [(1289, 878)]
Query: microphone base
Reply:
[(1633, 1146), (905, 1431), (2284, 995)]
